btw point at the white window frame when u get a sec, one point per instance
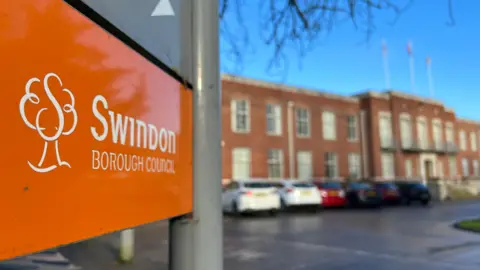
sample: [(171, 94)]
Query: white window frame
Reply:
[(449, 133), (422, 140), (354, 165), (452, 166), (386, 133), (388, 159), (331, 160), (241, 160), (462, 137), (473, 141), (304, 165), (408, 168), (352, 128), (406, 135), (465, 167), (235, 114), (304, 122), (437, 133), (329, 125), (275, 158), (475, 167), (275, 115)]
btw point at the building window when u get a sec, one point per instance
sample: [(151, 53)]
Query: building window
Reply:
[(465, 170), (449, 133), (463, 140), (352, 128), (275, 164), (331, 170), (354, 170), (303, 122), (473, 141), (406, 130), (240, 116), (274, 119), (241, 163), (408, 168), (388, 165), (452, 166), (385, 126), (437, 134), (475, 168), (329, 126), (304, 165), (422, 132)]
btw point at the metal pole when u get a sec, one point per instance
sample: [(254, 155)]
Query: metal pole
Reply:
[(127, 245), (385, 64), (181, 228), (430, 76), (412, 73), (207, 159), (180, 244)]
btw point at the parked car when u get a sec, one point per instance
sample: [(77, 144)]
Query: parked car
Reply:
[(388, 191), (332, 193), (247, 196), (298, 194), (362, 194), (413, 192)]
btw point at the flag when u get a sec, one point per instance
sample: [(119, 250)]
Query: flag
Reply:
[(428, 60), (384, 47), (409, 48)]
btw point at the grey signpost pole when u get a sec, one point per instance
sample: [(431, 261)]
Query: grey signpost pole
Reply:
[(207, 136)]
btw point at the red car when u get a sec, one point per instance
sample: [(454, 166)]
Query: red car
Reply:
[(389, 192), (332, 194)]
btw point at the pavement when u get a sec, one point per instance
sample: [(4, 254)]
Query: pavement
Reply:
[(46, 260), (390, 238)]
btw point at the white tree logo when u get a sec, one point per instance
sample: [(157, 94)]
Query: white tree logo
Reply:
[(61, 111)]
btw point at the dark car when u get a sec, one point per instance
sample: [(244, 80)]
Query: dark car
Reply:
[(413, 192), (362, 194), (389, 192)]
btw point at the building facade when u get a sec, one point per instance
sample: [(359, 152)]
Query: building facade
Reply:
[(277, 131)]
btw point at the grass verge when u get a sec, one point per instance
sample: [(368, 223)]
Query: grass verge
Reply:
[(472, 225)]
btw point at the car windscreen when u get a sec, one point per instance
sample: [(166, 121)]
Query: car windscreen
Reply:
[(360, 186), (387, 185), (257, 185), (418, 186), (303, 185), (330, 185)]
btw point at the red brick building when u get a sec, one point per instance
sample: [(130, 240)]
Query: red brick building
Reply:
[(277, 131)]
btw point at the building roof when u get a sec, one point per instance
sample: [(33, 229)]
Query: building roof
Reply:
[(353, 98)]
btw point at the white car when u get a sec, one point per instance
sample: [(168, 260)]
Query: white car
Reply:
[(295, 193), (246, 196)]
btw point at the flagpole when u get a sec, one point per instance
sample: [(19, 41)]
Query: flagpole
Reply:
[(430, 76), (385, 64), (412, 66)]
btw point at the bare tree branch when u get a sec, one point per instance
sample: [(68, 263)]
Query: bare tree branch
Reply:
[(300, 24)]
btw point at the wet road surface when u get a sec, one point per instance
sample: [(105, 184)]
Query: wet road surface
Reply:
[(391, 238)]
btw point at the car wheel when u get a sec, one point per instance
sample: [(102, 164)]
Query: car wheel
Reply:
[(273, 213), (425, 202), (235, 209), (283, 205), (406, 201)]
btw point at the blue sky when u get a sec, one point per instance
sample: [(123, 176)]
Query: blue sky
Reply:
[(341, 64)]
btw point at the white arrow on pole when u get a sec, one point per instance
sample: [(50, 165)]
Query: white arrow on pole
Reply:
[(163, 8)]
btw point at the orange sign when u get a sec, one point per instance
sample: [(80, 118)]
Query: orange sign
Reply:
[(94, 138)]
